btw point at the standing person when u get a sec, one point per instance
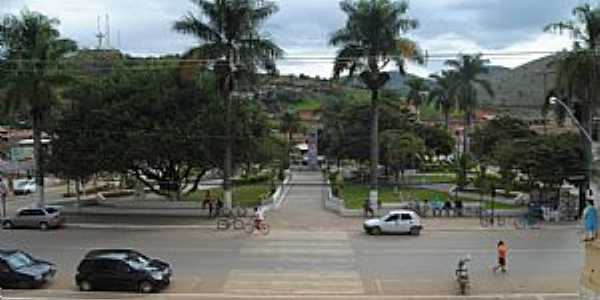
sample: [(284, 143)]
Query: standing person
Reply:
[(3, 193), (447, 207), (502, 250), (590, 221), (367, 208)]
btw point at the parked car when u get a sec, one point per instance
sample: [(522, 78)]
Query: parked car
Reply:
[(397, 221), (122, 270), (42, 218), (24, 187), (21, 270)]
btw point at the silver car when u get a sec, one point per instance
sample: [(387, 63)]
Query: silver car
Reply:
[(42, 218)]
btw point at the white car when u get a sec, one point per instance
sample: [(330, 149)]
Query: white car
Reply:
[(397, 221), (24, 187)]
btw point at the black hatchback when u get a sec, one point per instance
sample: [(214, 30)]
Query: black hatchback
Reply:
[(122, 270), (19, 270)]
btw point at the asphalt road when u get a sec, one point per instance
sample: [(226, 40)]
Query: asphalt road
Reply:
[(328, 263), (305, 257)]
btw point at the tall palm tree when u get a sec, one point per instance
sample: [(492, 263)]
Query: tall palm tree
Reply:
[(369, 41), (468, 70), (578, 71), (417, 87), (290, 124), (441, 94), (228, 31), (31, 49)]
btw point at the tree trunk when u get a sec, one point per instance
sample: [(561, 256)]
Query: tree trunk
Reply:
[(446, 119), (38, 162), (227, 170), (466, 132), (374, 186)]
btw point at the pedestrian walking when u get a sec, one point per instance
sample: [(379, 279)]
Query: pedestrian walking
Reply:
[(590, 221), (502, 250), (368, 209)]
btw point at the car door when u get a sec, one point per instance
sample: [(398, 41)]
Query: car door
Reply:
[(406, 222), (102, 275), (125, 276), (7, 278), (22, 218), (390, 223), (37, 216)]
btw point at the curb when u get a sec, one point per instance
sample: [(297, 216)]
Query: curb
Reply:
[(136, 227), (209, 227)]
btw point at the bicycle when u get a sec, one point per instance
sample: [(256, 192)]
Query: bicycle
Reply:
[(263, 227), (230, 222)]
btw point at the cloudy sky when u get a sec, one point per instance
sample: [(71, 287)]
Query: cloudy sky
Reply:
[(302, 27)]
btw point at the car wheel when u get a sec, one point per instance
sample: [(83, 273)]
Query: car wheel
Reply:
[(7, 225), (415, 231), (44, 226), (146, 287), (376, 231), (85, 286)]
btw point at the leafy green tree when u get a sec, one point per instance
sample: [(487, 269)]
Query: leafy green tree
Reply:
[(416, 94), (369, 41), (441, 94), (577, 77), (460, 165), (401, 150), (468, 70), (494, 133), (31, 49), (229, 29)]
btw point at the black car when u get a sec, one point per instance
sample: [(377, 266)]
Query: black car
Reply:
[(19, 270), (122, 270)]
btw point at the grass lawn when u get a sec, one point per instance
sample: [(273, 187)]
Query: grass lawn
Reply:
[(246, 195), (307, 104), (354, 196)]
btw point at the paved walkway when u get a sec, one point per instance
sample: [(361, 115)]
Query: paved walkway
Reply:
[(303, 206)]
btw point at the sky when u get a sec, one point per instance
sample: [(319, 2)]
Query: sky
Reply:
[(303, 27)]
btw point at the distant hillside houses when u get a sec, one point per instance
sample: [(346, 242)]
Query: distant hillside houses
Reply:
[(520, 91)]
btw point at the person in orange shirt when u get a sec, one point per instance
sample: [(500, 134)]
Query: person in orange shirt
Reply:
[(502, 256)]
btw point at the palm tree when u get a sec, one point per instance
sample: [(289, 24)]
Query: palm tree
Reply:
[(31, 49), (290, 124), (578, 71), (441, 94), (468, 69), (417, 88), (229, 32), (370, 40)]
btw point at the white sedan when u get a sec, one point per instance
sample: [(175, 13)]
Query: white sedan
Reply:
[(397, 221), (24, 187)]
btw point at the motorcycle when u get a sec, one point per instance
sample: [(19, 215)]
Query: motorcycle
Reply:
[(462, 275)]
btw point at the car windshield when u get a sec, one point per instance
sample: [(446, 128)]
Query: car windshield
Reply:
[(51, 210), (138, 261), (19, 260)]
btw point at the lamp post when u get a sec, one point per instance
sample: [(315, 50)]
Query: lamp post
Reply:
[(588, 137)]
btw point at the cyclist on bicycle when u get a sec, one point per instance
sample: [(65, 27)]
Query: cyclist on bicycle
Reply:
[(259, 217)]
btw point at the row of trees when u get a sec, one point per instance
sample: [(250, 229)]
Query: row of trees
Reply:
[(32, 54), (152, 127)]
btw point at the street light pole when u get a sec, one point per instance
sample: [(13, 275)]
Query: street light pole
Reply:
[(588, 137)]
